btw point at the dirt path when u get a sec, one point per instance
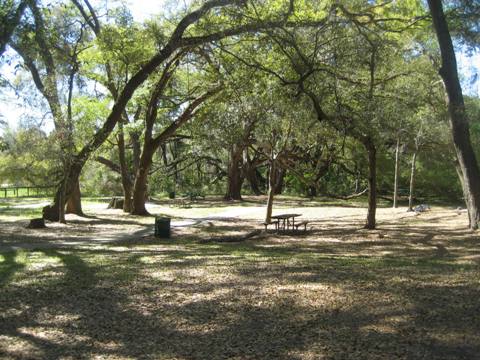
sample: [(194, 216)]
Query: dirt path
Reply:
[(337, 224), (96, 231)]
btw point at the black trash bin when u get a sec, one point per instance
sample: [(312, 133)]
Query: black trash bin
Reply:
[(162, 227)]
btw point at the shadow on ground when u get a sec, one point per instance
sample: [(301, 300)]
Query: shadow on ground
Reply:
[(295, 300), (408, 290)]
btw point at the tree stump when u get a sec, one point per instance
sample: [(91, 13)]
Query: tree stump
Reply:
[(38, 223)]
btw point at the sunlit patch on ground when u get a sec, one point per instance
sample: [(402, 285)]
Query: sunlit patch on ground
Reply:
[(408, 290)]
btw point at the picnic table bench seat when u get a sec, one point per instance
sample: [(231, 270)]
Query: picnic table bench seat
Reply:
[(275, 222), (303, 223)]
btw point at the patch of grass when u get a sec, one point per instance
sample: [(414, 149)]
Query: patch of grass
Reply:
[(25, 207), (22, 201), (21, 212), (17, 193)]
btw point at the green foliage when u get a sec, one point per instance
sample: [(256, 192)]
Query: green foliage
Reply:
[(27, 158), (89, 114), (96, 180), (311, 90)]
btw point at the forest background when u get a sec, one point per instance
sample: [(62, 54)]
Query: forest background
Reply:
[(304, 98)]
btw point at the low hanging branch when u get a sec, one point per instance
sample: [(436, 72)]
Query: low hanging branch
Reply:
[(347, 197), (109, 164)]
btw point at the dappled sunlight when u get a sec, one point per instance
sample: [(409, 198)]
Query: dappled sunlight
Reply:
[(54, 336), (410, 285), (17, 346)]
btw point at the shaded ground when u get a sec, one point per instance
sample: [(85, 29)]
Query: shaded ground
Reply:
[(408, 290)]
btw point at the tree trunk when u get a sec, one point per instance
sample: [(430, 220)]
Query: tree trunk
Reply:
[(235, 178), (137, 151), (66, 188), (458, 169), (163, 154), (251, 173), (357, 179), (61, 207), (127, 197), (372, 183), (174, 150), (74, 203), (279, 181), (124, 171), (253, 180), (151, 144), (458, 118), (141, 181), (271, 192), (395, 182), (52, 212), (234, 187), (412, 181)]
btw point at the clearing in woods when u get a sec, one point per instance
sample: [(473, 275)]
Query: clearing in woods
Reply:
[(103, 287)]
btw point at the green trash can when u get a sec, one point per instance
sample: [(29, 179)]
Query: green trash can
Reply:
[(162, 227)]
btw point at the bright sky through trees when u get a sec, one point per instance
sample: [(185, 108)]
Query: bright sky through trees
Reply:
[(14, 110)]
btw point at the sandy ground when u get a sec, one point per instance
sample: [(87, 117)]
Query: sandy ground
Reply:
[(103, 287), (204, 221)]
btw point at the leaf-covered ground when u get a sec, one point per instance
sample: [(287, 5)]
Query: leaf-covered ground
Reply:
[(409, 290)]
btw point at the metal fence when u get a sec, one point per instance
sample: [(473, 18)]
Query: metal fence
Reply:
[(26, 191)]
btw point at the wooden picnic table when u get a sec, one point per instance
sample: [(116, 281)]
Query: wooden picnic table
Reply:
[(285, 219)]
